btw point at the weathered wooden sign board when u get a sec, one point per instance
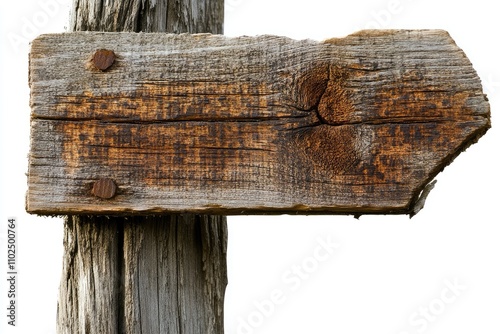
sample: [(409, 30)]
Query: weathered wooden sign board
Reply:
[(155, 123)]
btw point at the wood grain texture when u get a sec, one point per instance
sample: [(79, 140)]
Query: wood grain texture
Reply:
[(173, 16), (89, 294), (175, 274), (211, 124), (143, 275)]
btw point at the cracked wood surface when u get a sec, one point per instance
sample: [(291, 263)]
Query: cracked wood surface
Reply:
[(211, 124)]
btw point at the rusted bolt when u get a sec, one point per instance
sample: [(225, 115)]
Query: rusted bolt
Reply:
[(104, 188), (103, 59)]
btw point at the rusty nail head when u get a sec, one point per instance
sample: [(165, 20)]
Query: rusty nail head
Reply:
[(104, 188), (103, 59)]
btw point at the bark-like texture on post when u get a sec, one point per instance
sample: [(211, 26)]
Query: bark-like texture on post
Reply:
[(173, 16), (174, 274), (90, 297), (144, 274)]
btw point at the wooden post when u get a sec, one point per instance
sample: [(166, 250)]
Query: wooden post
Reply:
[(163, 274), (217, 125)]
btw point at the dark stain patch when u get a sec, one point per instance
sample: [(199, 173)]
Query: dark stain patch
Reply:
[(331, 149)]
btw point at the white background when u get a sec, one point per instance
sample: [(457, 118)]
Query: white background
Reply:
[(387, 270)]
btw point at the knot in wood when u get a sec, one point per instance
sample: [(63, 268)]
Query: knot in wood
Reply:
[(321, 89)]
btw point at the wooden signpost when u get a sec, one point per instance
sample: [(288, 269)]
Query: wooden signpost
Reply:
[(128, 124), (143, 274)]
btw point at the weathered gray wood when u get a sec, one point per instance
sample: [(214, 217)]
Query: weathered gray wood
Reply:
[(173, 16), (144, 274), (90, 292), (210, 124)]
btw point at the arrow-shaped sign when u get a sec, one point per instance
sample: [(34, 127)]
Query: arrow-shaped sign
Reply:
[(154, 123)]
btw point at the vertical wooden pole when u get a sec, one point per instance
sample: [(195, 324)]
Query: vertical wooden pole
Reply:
[(164, 274)]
